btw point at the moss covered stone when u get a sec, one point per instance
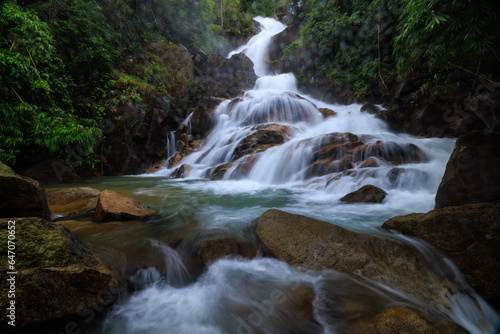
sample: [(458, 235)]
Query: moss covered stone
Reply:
[(38, 243)]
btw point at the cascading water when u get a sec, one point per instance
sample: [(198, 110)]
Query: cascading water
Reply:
[(320, 159)]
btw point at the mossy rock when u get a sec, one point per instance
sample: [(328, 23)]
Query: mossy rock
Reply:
[(21, 196), (57, 276)]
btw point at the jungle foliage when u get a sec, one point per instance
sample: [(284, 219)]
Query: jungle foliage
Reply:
[(365, 43), (62, 64)]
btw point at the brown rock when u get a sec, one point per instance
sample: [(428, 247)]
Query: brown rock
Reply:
[(262, 138), (57, 278), (399, 320), (340, 151), (468, 234), (366, 194), (182, 171), (72, 201), (372, 162), (327, 112), (304, 241), (21, 196), (448, 327), (472, 174), (113, 206), (211, 250)]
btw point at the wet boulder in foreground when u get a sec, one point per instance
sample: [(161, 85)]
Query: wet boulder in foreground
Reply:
[(21, 196), (304, 241), (366, 194), (468, 234), (113, 206), (57, 277)]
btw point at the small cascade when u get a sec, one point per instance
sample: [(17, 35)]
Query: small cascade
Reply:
[(275, 147), (176, 272), (187, 123), (171, 148), (256, 48)]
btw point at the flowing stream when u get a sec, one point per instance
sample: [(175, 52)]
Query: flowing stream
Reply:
[(266, 295)]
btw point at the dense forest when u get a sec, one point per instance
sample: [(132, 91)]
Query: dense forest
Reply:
[(66, 65)]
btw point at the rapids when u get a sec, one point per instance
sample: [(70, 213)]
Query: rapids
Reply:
[(266, 295)]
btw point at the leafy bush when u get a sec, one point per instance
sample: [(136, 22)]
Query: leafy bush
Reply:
[(32, 95)]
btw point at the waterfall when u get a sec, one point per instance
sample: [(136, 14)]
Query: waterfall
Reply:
[(256, 48), (325, 151), (407, 167), (171, 149)]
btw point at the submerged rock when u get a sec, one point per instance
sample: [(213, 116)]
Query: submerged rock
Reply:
[(21, 196), (366, 194), (72, 201), (113, 206), (305, 241), (468, 234), (212, 250), (472, 174), (57, 278), (399, 320)]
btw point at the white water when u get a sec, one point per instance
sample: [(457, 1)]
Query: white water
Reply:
[(235, 296)]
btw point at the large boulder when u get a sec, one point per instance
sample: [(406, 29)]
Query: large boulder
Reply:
[(72, 201), (113, 206), (21, 196), (472, 174), (58, 278), (468, 234), (366, 194), (305, 241)]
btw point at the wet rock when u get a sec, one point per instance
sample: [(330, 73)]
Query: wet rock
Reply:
[(184, 150), (327, 112), (472, 174), (399, 320), (57, 278), (343, 151), (182, 171), (370, 108), (21, 196), (226, 78), (211, 250), (304, 241), (372, 162), (113, 206), (329, 165), (72, 201), (201, 120), (448, 327), (262, 138), (52, 171), (468, 234), (366, 194)]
